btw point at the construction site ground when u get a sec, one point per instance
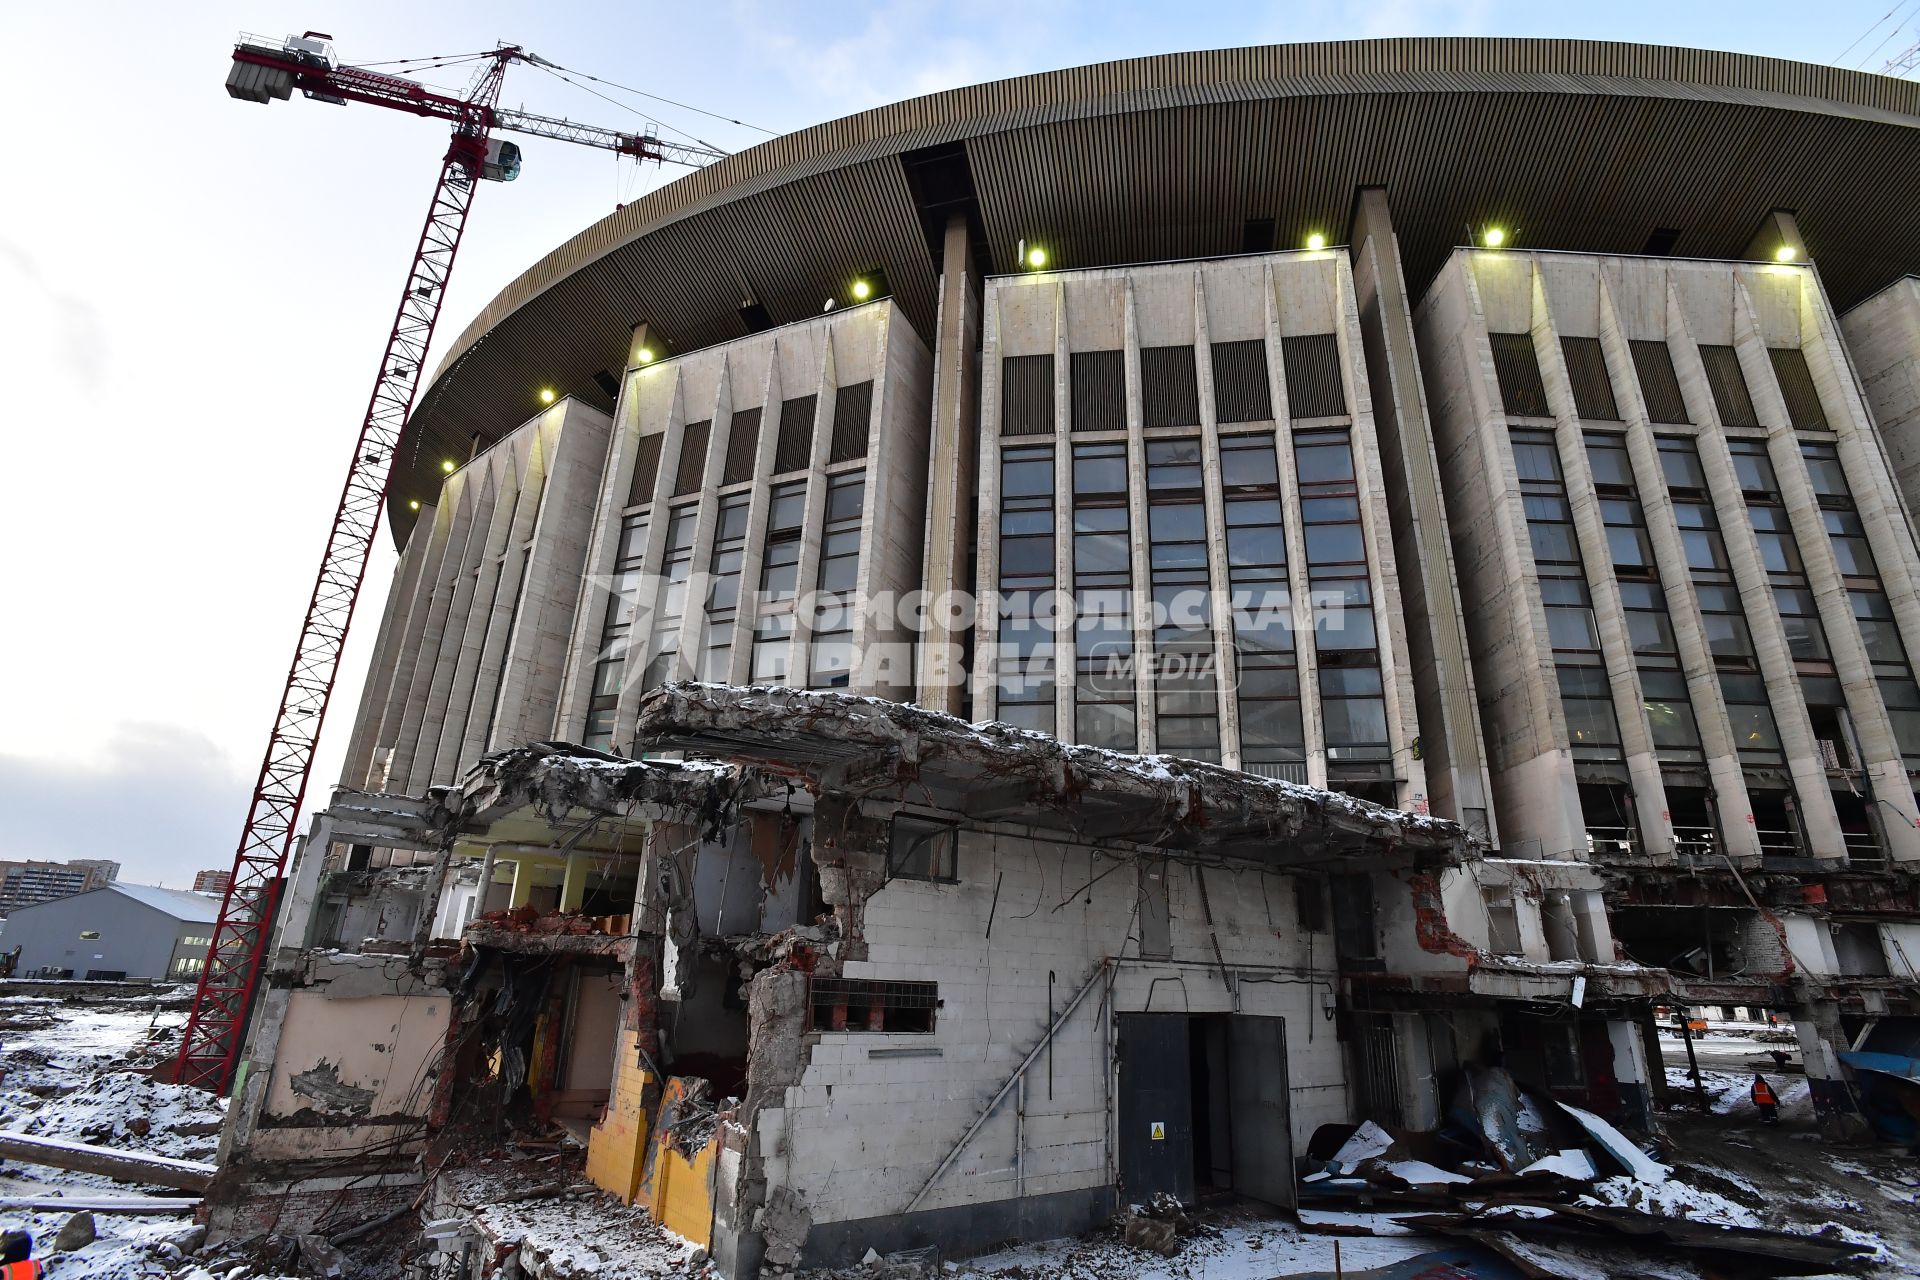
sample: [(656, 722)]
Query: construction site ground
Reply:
[(76, 1065)]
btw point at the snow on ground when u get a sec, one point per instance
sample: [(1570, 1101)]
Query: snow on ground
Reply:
[(1729, 1093), (582, 1231), (72, 1066), (1241, 1251)]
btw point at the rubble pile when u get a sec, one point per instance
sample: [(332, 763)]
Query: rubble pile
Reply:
[(1525, 1175)]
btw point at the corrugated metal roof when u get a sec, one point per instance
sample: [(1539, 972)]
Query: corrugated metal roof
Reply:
[(181, 904), (1585, 145)]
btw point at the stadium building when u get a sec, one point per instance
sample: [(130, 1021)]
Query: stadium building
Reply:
[(1230, 593)]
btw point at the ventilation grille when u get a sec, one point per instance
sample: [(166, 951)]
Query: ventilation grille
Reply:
[(1659, 384), (1729, 386), (1240, 391), (1169, 387), (646, 469), (743, 446), (1314, 388), (1099, 390), (1796, 387), (793, 449), (1517, 366), (852, 415), (693, 458), (1587, 371), (1026, 396)]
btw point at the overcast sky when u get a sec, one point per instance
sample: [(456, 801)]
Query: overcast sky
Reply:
[(194, 292)]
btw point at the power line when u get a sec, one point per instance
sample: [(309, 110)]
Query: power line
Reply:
[(771, 133), (1864, 34), (558, 74)]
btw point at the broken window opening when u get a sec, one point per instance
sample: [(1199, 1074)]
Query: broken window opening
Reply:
[(872, 1004), (923, 849)]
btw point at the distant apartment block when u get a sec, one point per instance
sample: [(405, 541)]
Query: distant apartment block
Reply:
[(22, 884)]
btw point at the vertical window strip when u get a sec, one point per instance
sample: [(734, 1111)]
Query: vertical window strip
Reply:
[(623, 601), (779, 584), (1185, 675), (1267, 687), (1586, 695), (1104, 703), (1669, 711), (675, 571), (1024, 665), (838, 582), (1353, 706), (723, 587)]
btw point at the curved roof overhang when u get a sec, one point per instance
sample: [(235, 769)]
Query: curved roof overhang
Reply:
[(1580, 145)]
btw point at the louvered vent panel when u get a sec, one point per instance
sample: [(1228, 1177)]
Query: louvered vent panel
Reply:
[(793, 450), (1659, 384), (743, 446), (646, 469), (1026, 396), (852, 416), (1587, 371), (1099, 390), (1517, 366), (1240, 390), (1169, 387), (1314, 388), (1796, 387), (693, 458), (1729, 386)]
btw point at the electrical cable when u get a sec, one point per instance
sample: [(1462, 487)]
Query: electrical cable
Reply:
[(559, 75), (771, 133)]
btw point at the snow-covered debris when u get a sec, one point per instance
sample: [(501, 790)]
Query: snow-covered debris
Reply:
[(1616, 1144), (1570, 1163)]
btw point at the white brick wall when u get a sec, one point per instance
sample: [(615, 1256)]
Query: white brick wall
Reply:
[(859, 1136)]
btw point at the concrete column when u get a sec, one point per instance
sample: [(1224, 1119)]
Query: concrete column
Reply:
[(1819, 821), (1632, 1074), (1817, 1028), (1299, 588), (1609, 614), (953, 457), (986, 643), (1436, 639), (573, 883), (640, 348), (1219, 579), (647, 608), (1389, 617), (1066, 647), (1778, 230), (1146, 713), (1676, 579), (522, 882)]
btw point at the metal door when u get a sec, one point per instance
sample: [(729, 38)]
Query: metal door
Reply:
[(1156, 1107), (1257, 1103)]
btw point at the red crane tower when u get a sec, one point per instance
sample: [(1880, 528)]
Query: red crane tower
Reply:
[(264, 69)]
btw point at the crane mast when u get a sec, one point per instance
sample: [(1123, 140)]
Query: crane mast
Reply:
[(264, 70)]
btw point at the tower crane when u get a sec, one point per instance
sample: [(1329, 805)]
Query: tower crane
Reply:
[(264, 69)]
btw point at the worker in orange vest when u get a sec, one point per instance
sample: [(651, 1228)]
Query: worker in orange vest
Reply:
[(1763, 1098), (16, 1257)]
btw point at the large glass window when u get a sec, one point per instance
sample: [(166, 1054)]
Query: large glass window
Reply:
[(1185, 668), (1104, 713), (723, 588), (779, 583), (832, 623), (1272, 742), (1670, 719), (623, 604), (675, 571), (1586, 697), (1024, 667), (1353, 705)]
